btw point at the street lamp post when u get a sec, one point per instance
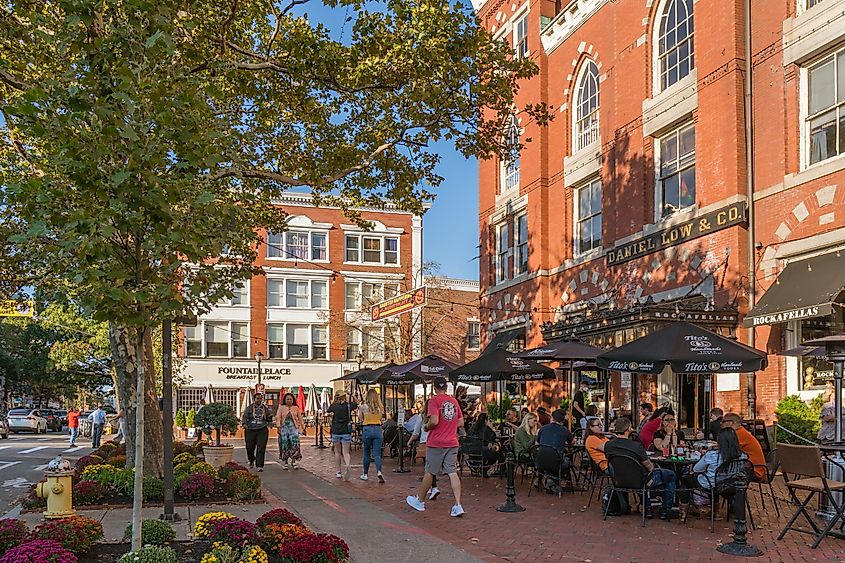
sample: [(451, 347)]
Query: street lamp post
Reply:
[(258, 356)]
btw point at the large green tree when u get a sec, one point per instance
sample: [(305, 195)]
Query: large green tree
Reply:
[(141, 137)]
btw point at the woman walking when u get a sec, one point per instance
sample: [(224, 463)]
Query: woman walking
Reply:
[(341, 431), (290, 425), (371, 414), (255, 419)]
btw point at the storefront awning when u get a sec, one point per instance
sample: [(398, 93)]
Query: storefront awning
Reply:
[(805, 288), (503, 339)]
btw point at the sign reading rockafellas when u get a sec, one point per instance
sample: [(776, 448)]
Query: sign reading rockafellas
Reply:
[(12, 308), (400, 304)]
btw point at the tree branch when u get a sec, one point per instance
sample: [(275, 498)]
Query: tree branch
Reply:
[(13, 82), (19, 148)]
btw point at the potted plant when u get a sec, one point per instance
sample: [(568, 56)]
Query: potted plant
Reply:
[(180, 422), (218, 417)]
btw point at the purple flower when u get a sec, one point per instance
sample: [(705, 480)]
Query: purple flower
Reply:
[(39, 551), (234, 532)]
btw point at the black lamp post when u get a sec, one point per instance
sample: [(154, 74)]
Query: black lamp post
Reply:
[(258, 356)]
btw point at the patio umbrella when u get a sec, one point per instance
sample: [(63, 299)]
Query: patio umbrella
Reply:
[(311, 404), (209, 395), (685, 347), (418, 371), (325, 400), (300, 399), (799, 351)]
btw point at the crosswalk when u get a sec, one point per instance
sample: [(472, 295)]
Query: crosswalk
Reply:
[(25, 455)]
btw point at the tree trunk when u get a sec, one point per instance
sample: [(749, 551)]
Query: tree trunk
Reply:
[(125, 357)]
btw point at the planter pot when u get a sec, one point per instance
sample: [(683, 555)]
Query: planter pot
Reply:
[(218, 456)]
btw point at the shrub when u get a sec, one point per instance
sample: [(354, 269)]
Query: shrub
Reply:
[(202, 528), (234, 532), (153, 488), (179, 420), (120, 449), (243, 485), (314, 548), (118, 461), (153, 532), (275, 536), (89, 492), (39, 551), (218, 416), (124, 482), (150, 554), (221, 553), (278, 516), (198, 446), (75, 533), (229, 468), (184, 457), (191, 418), (182, 448), (12, 533), (100, 473), (106, 450), (87, 460), (196, 486), (798, 417), (205, 469)]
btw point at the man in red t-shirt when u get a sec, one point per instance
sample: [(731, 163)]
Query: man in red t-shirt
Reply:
[(73, 425), (444, 422)]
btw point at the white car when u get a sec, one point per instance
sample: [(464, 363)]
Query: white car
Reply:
[(27, 420)]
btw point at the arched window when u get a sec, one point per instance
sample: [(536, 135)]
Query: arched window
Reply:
[(510, 164), (675, 45), (587, 107)]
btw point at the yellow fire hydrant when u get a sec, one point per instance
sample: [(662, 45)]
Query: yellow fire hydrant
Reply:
[(58, 492)]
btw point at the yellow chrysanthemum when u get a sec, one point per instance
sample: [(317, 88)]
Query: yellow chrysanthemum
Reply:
[(202, 528)]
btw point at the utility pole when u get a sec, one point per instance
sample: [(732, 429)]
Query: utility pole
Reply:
[(169, 513)]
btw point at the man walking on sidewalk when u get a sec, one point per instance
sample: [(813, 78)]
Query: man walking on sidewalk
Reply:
[(255, 419), (98, 420), (73, 425), (441, 454)]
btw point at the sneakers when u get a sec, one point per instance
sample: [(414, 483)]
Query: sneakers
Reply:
[(365, 477), (286, 466), (380, 477), (457, 511), (260, 469), (338, 475), (433, 493), (415, 503), (293, 465)]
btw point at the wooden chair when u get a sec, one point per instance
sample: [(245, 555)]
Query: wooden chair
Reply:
[(806, 462)]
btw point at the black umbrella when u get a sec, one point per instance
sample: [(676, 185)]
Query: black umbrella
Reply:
[(801, 350), (417, 371), (685, 347), (501, 365), (569, 349)]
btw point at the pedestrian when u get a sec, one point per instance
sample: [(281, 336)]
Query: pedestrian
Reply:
[(421, 434), (73, 425), (441, 453), (255, 420), (98, 421), (341, 431), (121, 429), (371, 414), (290, 425)]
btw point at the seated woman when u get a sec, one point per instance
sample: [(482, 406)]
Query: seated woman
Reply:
[(704, 471), (667, 436), (594, 442), (526, 436), (646, 434), (483, 440)]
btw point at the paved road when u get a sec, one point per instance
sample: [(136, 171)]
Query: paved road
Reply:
[(24, 457)]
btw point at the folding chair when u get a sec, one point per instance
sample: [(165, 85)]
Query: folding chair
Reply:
[(806, 462), (548, 463), (472, 455), (724, 485), (772, 466), (628, 475)]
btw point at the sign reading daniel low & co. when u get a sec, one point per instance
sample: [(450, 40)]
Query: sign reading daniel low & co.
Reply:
[(717, 220)]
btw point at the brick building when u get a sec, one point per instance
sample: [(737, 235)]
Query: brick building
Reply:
[(451, 323), (632, 207), (308, 315)]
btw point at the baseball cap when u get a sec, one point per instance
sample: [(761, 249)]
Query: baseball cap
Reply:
[(439, 382)]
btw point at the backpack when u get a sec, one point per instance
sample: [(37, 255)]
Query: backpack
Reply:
[(618, 502)]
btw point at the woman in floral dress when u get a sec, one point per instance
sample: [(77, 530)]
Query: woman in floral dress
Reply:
[(290, 425)]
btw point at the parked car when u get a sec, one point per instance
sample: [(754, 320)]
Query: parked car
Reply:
[(27, 420), (86, 428), (54, 422), (62, 414), (4, 426)]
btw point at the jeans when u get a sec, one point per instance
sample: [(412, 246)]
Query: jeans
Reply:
[(74, 433), (96, 434), (373, 439), (665, 479), (256, 445)]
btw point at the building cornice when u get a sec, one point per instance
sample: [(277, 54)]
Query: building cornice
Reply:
[(307, 200), (442, 282)]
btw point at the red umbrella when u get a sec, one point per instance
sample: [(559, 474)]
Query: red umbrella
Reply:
[(300, 399)]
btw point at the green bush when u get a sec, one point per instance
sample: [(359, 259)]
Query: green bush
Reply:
[(243, 485), (493, 409), (102, 474), (150, 554), (218, 416), (798, 417), (153, 532), (153, 488), (185, 466), (179, 420), (184, 457), (124, 482), (190, 419)]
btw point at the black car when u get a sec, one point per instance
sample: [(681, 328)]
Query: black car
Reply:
[(54, 421), (62, 414)]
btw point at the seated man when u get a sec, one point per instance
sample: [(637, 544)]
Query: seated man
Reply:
[(716, 416), (557, 436), (656, 478), (748, 444)]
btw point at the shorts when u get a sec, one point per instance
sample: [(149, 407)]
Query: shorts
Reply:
[(441, 460), (342, 438)]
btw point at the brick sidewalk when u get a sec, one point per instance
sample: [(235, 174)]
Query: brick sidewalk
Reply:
[(561, 529)]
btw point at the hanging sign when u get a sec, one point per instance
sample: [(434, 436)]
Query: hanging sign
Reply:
[(13, 308), (400, 304)]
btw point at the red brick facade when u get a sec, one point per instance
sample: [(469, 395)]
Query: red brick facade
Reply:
[(798, 207)]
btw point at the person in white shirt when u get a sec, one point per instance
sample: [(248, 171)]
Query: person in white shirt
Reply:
[(98, 420)]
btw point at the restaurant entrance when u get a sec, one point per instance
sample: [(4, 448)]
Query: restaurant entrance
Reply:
[(695, 400)]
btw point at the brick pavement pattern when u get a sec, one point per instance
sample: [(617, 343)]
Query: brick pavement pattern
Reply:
[(564, 529)]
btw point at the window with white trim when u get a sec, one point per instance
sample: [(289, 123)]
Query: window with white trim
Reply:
[(588, 218), (509, 172), (368, 341), (240, 340), (372, 249), (676, 171), (520, 37), (298, 245), (473, 335), (297, 293), (521, 243), (222, 339), (675, 44), (319, 342), (503, 253), (240, 296), (826, 107), (587, 107), (217, 340), (193, 341), (361, 295), (297, 341)]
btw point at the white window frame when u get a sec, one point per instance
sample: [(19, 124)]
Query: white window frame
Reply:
[(658, 197), (520, 36), (520, 246), (380, 292), (225, 326), (503, 270), (230, 302), (807, 4), (665, 6), (279, 250), (578, 219), (382, 238), (283, 327), (355, 337), (283, 293), (585, 126), (510, 166), (473, 334), (838, 107)]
